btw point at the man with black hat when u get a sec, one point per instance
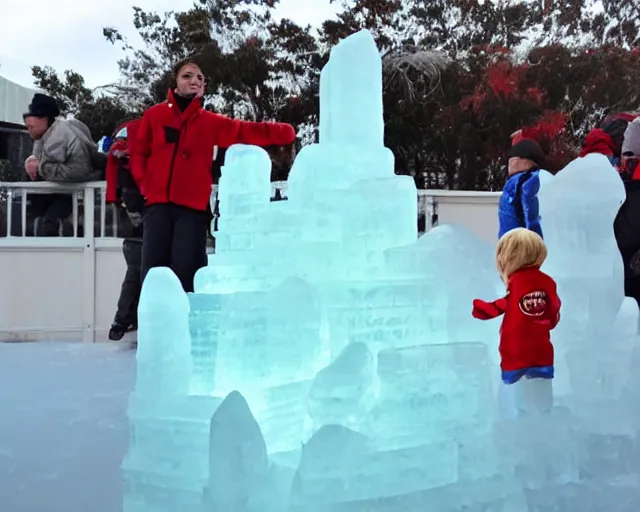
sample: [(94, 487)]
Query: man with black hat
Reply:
[(62, 151), (518, 207)]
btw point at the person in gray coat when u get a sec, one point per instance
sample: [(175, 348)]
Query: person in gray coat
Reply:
[(63, 151)]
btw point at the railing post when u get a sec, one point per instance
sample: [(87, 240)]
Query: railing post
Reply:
[(23, 211), (9, 211), (432, 212), (89, 267)]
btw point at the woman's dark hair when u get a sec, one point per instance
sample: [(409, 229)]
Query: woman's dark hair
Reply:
[(175, 70)]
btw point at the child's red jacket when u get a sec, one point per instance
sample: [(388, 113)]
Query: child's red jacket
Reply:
[(531, 310)]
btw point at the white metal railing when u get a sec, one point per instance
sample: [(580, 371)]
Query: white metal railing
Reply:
[(88, 261), (86, 192), (79, 191)]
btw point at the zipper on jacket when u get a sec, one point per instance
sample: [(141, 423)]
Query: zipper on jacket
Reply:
[(173, 160)]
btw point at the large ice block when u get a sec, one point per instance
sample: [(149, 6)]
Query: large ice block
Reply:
[(351, 145), (204, 320), (244, 194), (164, 340), (238, 467), (345, 391), (578, 207), (352, 98)]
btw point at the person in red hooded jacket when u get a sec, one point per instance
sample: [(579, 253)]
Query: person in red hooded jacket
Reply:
[(608, 139), (172, 161), (123, 191)]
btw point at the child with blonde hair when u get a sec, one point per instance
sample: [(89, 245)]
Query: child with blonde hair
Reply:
[(531, 307)]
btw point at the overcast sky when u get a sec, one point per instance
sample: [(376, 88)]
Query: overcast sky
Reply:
[(67, 34)]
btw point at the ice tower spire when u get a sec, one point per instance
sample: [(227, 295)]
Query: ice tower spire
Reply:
[(351, 93), (351, 146), (164, 341)]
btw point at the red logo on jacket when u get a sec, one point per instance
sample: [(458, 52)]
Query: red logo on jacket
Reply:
[(534, 303)]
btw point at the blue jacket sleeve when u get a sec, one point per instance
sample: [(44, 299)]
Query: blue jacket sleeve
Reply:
[(530, 207)]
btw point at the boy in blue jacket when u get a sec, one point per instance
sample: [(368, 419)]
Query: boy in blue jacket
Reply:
[(518, 207)]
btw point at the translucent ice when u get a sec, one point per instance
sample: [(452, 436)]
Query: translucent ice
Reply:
[(526, 397), (164, 341), (354, 374), (244, 195), (578, 207), (355, 111), (204, 322), (344, 392), (351, 145), (238, 468)]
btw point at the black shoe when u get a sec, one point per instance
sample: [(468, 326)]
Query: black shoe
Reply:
[(117, 331), (133, 327)]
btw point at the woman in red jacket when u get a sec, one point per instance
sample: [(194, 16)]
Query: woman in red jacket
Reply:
[(172, 162)]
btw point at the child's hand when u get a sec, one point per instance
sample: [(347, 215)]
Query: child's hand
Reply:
[(479, 309), (487, 310)]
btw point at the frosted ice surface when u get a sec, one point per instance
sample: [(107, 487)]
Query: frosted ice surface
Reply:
[(79, 391), (244, 194), (344, 392), (353, 94), (164, 341), (578, 207), (355, 377), (351, 119), (238, 467), (204, 327), (526, 397), (277, 333), (445, 270), (333, 468), (545, 177)]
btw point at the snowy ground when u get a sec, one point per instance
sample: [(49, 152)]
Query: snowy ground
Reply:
[(63, 426)]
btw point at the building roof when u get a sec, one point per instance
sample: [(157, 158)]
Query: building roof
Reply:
[(14, 101)]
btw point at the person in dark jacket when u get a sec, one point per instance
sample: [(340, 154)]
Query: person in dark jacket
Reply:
[(615, 141), (172, 161), (123, 190), (608, 139), (627, 223), (518, 206)]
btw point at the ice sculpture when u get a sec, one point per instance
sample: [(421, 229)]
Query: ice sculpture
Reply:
[(578, 208), (239, 466), (351, 374), (164, 344), (166, 467), (344, 392)]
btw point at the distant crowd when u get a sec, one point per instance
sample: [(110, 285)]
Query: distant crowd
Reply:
[(618, 139)]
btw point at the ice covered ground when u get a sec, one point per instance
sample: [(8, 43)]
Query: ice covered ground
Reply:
[(63, 426)]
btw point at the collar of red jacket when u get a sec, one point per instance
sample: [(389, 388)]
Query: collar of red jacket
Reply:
[(598, 141), (194, 106)]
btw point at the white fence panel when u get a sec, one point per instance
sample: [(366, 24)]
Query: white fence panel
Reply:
[(67, 287)]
